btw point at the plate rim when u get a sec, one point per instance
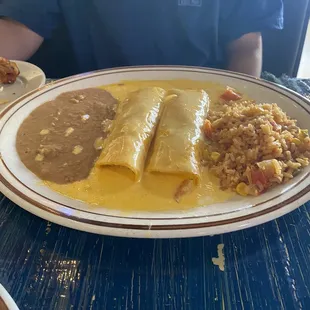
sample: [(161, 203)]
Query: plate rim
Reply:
[(301, 196)]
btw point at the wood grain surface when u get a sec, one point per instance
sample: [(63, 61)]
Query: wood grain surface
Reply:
[(45, 266)]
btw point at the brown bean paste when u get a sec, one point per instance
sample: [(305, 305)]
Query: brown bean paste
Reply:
[(60, 140)]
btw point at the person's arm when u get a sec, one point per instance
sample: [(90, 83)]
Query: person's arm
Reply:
[(241, 24), (17, 41), (245, 54), (24, 24)]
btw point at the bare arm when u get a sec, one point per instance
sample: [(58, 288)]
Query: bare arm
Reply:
[(245, 54), (17, 41)]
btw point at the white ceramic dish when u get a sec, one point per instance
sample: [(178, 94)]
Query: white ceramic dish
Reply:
[(21, 186), (30, 78), (6, 301)]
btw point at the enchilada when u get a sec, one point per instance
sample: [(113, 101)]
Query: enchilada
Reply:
[(132, 132), (176, 149)]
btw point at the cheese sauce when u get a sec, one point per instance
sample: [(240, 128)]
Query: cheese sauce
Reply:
[(116, 189)]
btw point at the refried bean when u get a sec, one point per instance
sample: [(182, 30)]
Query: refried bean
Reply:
[(60, 140)]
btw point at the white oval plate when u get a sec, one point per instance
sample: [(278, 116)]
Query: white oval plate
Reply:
[(31, 77), (21, 186)]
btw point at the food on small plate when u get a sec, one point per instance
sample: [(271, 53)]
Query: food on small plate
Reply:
[(133, 130), (8, 71), (253, 147)]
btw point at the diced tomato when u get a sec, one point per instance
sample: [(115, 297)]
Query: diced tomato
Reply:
[(230, 95), (207, 129), (258, 177)]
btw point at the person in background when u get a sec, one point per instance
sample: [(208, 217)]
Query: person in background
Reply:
[(104, 34)]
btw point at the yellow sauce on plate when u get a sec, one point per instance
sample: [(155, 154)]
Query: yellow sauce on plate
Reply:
[(115, 188)]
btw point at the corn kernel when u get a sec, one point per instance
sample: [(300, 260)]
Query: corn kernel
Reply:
[(215, 156), (303, 133), (242, 189), (266, 128), (296, 141)]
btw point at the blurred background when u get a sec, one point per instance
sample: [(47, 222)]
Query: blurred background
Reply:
[(290, 47)]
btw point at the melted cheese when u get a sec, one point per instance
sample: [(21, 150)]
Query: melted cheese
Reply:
[(133, 130), (116, 189), (176, 146)]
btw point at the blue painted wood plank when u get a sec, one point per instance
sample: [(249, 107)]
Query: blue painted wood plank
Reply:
[(45, 266)]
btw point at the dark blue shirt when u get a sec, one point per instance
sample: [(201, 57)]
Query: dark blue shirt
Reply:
[(110, 33)]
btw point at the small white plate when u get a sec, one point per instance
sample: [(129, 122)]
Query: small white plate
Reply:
[(6, 301), (22, 187), (30, 78)]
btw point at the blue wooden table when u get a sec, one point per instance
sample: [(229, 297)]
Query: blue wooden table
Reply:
[(46, 266)]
